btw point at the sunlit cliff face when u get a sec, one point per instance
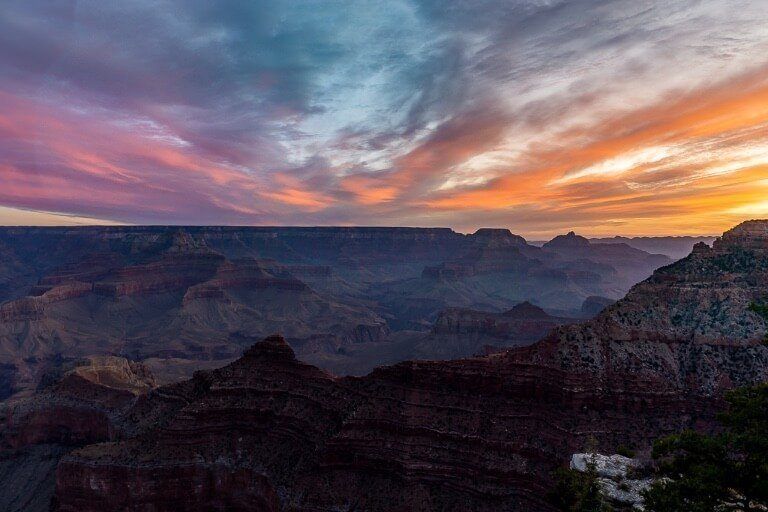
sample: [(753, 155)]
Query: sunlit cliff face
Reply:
[(602, 116)]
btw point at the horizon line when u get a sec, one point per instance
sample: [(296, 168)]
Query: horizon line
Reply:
[(337, 226)]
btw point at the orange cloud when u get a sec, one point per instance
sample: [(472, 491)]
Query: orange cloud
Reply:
[(293, 192), (685, 162), (692, 163), (450, 145), (368, 190)]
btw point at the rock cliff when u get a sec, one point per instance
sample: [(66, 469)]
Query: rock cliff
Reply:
[(84, 403), (271, 433), (187, 298), (175, 302), (519, 326)]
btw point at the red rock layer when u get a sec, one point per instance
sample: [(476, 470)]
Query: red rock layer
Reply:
[(83, 406), (32, 308), (167, 296), (524, 322), (479, 434), (173, 272)]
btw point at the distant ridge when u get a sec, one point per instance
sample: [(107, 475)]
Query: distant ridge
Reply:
[(675, 247)]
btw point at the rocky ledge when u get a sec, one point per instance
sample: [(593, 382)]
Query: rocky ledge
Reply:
[(523, 323), (620, 478), (271, 433)]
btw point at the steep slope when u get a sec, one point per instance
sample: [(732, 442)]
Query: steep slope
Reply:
[(271, 433), (456, 333), (188, 298), (272, 410), (628, 264), (177, 304), (86, 403)]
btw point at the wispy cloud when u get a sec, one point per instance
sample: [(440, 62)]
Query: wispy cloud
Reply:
[(540, 115)]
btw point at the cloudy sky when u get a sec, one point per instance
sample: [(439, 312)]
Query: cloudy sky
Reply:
[(615, 116)]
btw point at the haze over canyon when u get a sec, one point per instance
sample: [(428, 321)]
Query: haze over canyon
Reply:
[(157, 341), (94, 319)]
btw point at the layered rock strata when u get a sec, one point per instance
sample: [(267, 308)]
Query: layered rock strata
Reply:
[(271, 433)]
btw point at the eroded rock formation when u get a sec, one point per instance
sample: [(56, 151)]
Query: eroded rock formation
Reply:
[(272, 433), (186, 298), (87, 401)]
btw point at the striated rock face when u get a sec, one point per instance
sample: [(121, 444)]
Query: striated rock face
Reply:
[(749, 236), (685, 330), (85, 404), (82, 405), (187, 298), (33, 307), (266, 411), (703, 298), (172, 301), (181, 299), (29, 308), (477, 434), (523, 323)]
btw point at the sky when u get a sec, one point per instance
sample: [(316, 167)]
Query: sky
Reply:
[(633, 117)]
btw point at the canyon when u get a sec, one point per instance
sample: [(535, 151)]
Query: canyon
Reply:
[(181, 299), (269, 431)]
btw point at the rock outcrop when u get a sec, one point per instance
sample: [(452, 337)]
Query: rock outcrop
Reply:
[(271, 433), (521, 325), (616, 476), (85, 403), (80, 405), (479, 434)]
